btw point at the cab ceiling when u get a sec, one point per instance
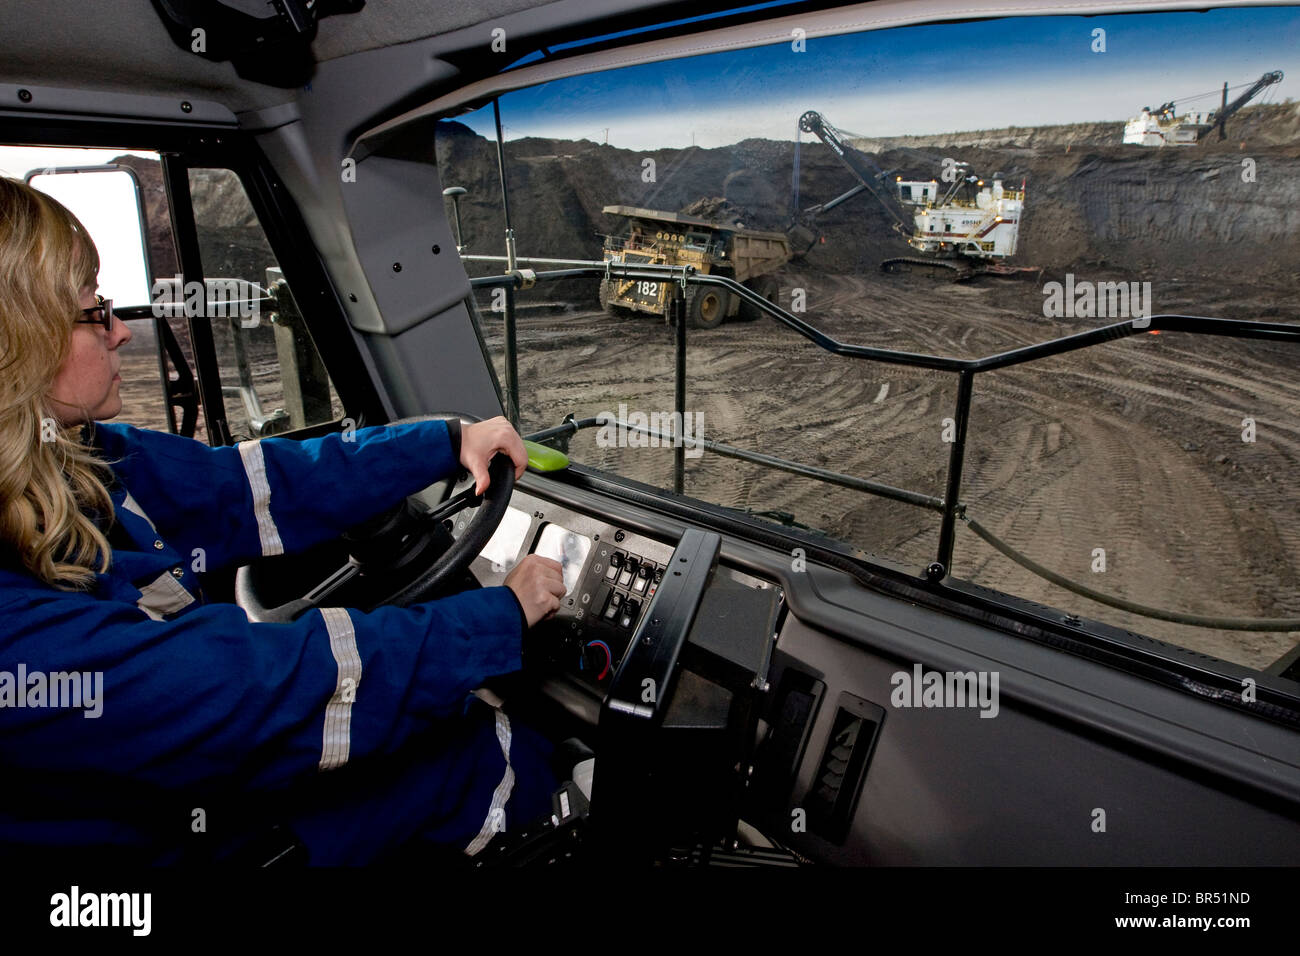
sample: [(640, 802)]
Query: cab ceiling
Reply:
[(122, 45)]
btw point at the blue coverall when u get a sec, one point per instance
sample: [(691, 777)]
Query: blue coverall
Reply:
[(357, 730)]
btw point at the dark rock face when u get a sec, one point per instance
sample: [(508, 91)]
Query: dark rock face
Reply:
[(231, 241), (1222, 209), (1090, 200)]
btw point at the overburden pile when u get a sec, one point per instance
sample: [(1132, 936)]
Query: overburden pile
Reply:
[(1216, 209)]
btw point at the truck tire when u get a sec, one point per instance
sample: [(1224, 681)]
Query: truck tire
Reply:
[(706, 306), (767, 288), (607, 297)]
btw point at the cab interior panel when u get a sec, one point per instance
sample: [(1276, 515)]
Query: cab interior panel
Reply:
[(884, 542)]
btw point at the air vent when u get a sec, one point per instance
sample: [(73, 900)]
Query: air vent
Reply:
[(843, 767)]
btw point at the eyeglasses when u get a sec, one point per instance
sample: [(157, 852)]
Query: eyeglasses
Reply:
[(105, 316)]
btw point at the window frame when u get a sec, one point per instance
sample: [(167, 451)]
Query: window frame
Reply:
[(180, 149)]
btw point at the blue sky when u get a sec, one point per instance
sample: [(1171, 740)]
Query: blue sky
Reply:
[(1026, 71)]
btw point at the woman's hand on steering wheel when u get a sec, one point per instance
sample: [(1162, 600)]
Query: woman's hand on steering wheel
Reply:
[(483, 440)]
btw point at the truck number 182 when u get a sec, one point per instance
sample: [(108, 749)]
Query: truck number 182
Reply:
[(648, 289)]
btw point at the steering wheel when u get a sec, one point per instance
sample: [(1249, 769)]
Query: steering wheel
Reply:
[(376, 540)]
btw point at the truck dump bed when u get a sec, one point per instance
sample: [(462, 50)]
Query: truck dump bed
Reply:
[(752, 252)]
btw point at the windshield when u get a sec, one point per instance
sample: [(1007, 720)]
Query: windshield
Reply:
[(954, 191)]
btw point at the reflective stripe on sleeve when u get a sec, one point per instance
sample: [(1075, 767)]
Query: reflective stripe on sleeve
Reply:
[(496, 815), (337, 737), (250, 452)]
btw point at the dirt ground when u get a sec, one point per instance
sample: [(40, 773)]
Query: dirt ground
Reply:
[(1134, 447)]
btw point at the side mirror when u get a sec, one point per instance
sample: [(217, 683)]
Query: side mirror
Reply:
[(108, 202)]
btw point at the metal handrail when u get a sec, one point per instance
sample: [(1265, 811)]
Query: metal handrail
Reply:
[(758, 458), (965, 369)]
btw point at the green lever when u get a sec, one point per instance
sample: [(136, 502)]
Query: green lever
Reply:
[(542, 458)]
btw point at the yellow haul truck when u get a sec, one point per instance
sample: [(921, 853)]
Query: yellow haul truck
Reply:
[(655, 237)]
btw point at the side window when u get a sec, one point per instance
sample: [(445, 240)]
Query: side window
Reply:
[(272, 377), (51, 169)]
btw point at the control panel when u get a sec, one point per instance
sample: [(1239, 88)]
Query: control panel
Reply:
[(622, 583), (611, 575)]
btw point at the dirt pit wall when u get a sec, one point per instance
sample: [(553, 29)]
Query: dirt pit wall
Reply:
[(1224, 210)]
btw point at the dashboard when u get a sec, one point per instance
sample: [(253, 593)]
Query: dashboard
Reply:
[(614, 577), (611, 577), (663, 651)]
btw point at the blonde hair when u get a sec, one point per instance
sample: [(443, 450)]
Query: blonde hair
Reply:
[(49, 477)]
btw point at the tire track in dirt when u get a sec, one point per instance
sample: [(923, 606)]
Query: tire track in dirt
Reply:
[(1110, 447), (1161, 522)]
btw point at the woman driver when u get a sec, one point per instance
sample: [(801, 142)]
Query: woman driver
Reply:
[(142, 721)]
